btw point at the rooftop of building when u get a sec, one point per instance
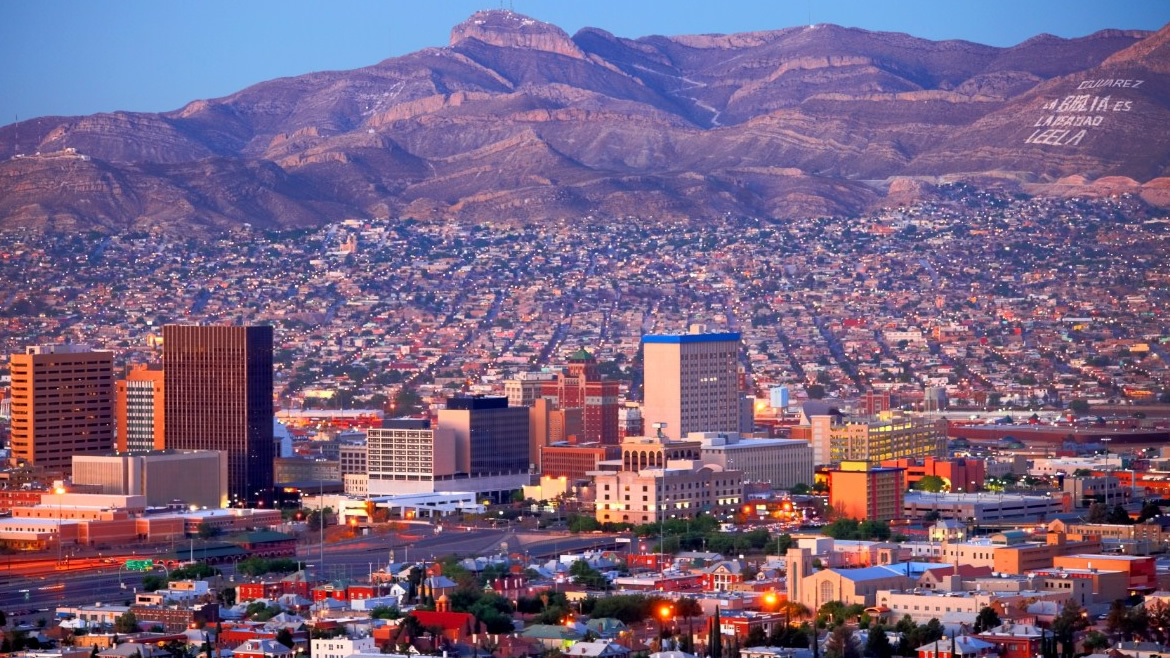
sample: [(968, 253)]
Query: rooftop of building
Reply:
[(1112, 557), (691, 338), (966, 497)]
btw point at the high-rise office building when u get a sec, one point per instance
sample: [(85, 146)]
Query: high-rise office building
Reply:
[(218, 382), (582, 386), (575, 402), (691, 382), (62, 405), (406, 456), (139, 410), (491, 441)]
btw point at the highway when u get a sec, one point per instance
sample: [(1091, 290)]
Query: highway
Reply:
[(351, 559)]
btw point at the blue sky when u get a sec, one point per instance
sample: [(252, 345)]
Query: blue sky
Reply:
[(73, 57)]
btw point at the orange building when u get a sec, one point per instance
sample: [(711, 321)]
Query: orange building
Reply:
[(1026, 557), (858, 490), (1142, 571), (139, 411), (960, 474), (62, 405)]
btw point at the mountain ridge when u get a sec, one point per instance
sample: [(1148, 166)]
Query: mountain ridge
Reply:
[(515, 119)]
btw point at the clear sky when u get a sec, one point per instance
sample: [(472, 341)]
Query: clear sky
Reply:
[(69, 57)]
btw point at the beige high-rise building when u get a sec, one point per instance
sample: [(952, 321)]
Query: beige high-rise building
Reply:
[(62, 405), (691, 383), (406, 455)]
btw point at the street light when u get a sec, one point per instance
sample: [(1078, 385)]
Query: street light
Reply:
[(1106, 440), (59, 491), (664, 614)]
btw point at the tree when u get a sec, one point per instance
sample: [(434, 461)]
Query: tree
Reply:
[(1149, 511), (126, 623), (756, 637), (284, 636), (153, 582), (1072, 620), (877, 644), (1119, 516), (800, 489), (316, 518), (207, 531), (932, 516), (833, 611), (1098, 513), (1117, 621), (3, 619), (687, 608), (986, 620), (842, 644), (1079, 405), (586, 575), (1096, 641), (385, 612), (931, 484), (580, 523), (815, 391)]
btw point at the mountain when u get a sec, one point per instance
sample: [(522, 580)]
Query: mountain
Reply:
[(515, 119)]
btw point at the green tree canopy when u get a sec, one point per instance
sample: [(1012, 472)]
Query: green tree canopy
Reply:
[(931, 484)]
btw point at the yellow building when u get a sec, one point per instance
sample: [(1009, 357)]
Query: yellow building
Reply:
[(889, 435)]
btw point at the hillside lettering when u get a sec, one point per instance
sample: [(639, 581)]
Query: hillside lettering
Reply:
[(1098, 84)]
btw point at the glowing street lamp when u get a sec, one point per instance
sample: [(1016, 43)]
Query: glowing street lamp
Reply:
[(60, 491), (664, 615)]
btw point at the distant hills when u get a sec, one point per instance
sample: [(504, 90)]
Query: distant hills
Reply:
[(516, 120)]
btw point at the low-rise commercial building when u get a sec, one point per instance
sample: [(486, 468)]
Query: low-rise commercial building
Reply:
[(1142, 572), (194, 477), (980, 508), (958, 474), (783, 463)]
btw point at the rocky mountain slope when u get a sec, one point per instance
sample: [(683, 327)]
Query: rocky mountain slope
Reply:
[(516, 120)]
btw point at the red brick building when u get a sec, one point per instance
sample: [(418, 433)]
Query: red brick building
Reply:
[(271, 589), (573, 460), (10, 498), (960, 474), (581, 387), (1014, 640)]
